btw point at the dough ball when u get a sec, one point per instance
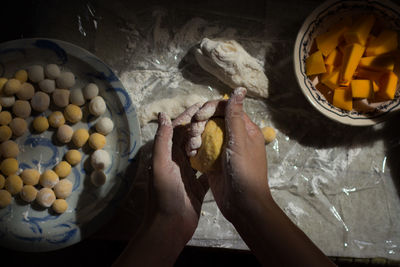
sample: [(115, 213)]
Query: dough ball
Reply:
[(5, 133), (45, 197), (2, 181), (63, 189), (5, 198), (14, 184), (65, 80), (7, 101), (60, 206), (2, 83), (5, 117), (77, 97), (21, 75), (22, 109), (9, 149), (56, 119), (61, 97), (40, 101), (11, 87), (18, 126), (9, 166), (104, 125), (40, 124), (97, 106), (49, 179), (26, 92), (90, 91), (269, 134), (64, 133), (73, 156), (73, 113), (80, 137), (28, 193), (100, 159), (97, 141), (208, 157), (36, 73), (47, 86), (52, 71), (30, 176), (63, 169), (98, 178)]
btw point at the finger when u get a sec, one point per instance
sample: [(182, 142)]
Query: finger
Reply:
[(211, 109), (163, 141), (193, 143), (234, 121), (186, 116), (252, 129), (197, 128)]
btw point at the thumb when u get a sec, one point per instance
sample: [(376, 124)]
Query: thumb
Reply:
[(234, 121), (163, 141)]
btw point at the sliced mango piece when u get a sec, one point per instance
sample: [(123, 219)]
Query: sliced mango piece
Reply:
[(359, 31), (388, 85), (351, 58), (328, 41), (362, 89), (378, 63), (315, 64), (331, 80), (385, 42), (342, 99), (334, 58)]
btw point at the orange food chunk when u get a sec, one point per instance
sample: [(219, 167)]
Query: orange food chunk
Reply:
[(359, 31), (351, 58), (331, 80), (362, 89), (342, 99), (384, 43), (378, 63), (334, 58), (328, 41), (388, 85), (315, 64)]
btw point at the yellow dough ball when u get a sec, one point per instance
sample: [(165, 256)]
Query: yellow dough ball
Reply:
[(2, 181), (22, 109), (5, 133), (56, 119), (208, 157), (63, 189), (9, 166), (73, 156), (9, 149), (49, 179), (40, 124), (2, 83), (11, 87), (269, 134), (14, 184), (5, 118), (5, 198), (63, 169), (21, 75), (60, 206), (30, 176), (45, 197), (28, 193), (97, 141), (26, 92), (80, 137), (18, 126), (73, 113)]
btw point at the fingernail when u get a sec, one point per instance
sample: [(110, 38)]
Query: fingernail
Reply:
[(239, 94)]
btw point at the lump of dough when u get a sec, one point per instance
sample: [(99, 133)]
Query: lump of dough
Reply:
[(64, 133), (97, 106), (90, 91), (104, 125), (28, 193), (40, 124), (9, 149), (2, 181), (63, 169), (9, 166), (45, 197), (76, 97), (5, 133), (26, 92), (47, 85), (12, 87), (22, 109), (97, 141), (61, 97), (56, 119), (66, 80), (36, 73), (5, 118), (21, 75), (49, 179), (230, 63), (40, 101), (5, 198), (208, 157), (100, 159), (73, 156), (30, 176), (18, 126), (52, 71), (3, 81), (60, 206), (80, 137), (63, 189), (98, 178), (73, 113), (269, 134), (14, 184), (7, 101)]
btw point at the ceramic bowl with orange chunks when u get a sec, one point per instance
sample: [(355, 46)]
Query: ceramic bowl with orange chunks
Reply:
[(347, 60)]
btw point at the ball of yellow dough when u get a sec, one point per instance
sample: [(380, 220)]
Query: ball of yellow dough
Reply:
[(45, 197), (64, 133), (28, 193), (18, 126), (5, 118), (9, 149), (269, 134), (49, 179), (21, 75), (80, 137), (26, 92), (5, 133), (30, 176), (63, 189), (73, 156), (208, 157), (22, 109), (2, 181), (60, 206), (5, 198), (12, 87), (63, 169), (56, 119), (97, 141), (40, 124), (2, 83), (73, 113), (14, 184), (9, 166)]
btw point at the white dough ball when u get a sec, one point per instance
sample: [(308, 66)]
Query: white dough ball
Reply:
[(61, 97), (45, 197), (47, 85), (40, 101), (36, 73), (7, 101), (66, 80), (98, 178), (52, 71), (97, 106), (26, 92), (63, 189), (90, 91), (104, 125), (76, 97), (100, 159), (64, 133)]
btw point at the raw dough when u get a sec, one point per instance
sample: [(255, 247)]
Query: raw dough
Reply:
[(52, 71), (97, 106), (18, 126), (5, 117), (104, 125), (97, 141), (21, 75), (5, 198), (49, 179), (28, 193), (40, 101), (12, 87), (56, 119), (40, 124), (90, 91), (64, 133), (100, 159), (73, 156), (269, 134), (47, 85), (22, 109), (30, 176), (229, 62), (5, 133), (80, 137), (9, 149), (45, 197), (7, 101), (9, 166), (36, 73), (63, 189), (73, 113), (60, 206), (66, 80), (2, 181), (26, 92), (77, 97), (14, 184), (63, 169), (61, 97)]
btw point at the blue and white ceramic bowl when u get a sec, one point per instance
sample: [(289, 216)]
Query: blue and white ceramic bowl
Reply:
[(318, 22), (29, 227)]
